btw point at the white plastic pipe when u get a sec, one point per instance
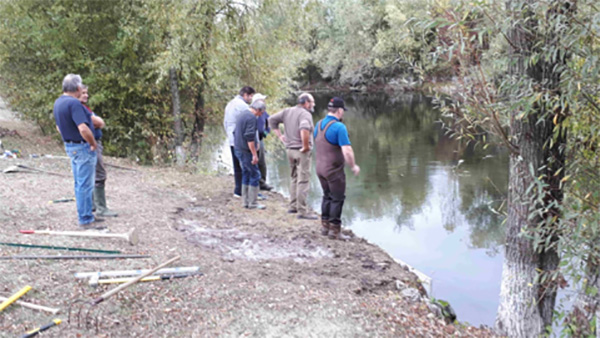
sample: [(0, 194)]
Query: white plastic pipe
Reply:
[(99, 274)]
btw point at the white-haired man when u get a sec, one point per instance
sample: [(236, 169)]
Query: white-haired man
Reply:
[(77, 131)]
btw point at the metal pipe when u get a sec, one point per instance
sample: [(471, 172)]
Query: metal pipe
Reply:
[(53, 247), (75, 257), (95, 282), (117, 273)]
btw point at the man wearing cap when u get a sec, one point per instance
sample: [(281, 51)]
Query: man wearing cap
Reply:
[(246, 146), (75, 126), (263, 129), (298, 124), (333, 149), (233, 109)]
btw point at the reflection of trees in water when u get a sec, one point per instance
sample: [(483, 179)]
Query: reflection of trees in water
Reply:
[(405, 157)]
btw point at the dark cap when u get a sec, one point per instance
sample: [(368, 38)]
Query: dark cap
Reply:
[(336, 102)]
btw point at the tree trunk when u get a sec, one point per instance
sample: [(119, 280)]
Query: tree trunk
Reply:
[(526, 306), (199, 122), (177, 129)]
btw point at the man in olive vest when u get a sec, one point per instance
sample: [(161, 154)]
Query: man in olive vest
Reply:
[(333, 149)]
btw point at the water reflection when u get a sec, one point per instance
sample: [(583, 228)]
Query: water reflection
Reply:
[(422, 196)]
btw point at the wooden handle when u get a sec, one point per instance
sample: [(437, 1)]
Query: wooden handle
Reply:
[(14, 297), (133, 281), (33, 306)]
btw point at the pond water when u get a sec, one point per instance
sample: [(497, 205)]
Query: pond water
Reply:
[(425, 198)]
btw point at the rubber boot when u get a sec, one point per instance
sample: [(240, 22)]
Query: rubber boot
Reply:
[(253, 196), (325, 227), (334, 231), (245, 195), (100, 200)]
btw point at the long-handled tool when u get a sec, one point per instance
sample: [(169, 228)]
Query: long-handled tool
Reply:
[(131, 236), (93, 303), (96, 281), (118, 273), (35, 332), (54, 247), (74, 257), (14, 297), (33, 306)]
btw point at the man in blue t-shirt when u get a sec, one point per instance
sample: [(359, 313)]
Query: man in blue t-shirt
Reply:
[(75, 126), (333, 150)]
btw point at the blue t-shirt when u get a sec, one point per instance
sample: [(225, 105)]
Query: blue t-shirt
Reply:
[(97, 131), (68, 114), (337, 134)]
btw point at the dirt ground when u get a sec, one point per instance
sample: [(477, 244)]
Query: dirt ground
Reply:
[(264, 273)]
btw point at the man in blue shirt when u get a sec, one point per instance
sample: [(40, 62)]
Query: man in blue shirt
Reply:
[(75, 126), (333, 150), (246, 146), (262, 126)]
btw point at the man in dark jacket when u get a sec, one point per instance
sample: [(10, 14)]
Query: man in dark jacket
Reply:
[(246, 145)]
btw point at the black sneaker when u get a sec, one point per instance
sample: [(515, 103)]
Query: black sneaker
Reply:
[(266, 187)]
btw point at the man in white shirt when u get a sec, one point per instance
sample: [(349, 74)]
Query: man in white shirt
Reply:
[(232, 111)]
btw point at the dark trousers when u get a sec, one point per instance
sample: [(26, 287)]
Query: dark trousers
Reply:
[(334, 194), (262, 164), (100, 169), (237, 173)]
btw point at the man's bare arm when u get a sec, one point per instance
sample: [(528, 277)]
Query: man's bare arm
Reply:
[(87, 135), (253, 151), (305, 136), (98, 122), (349, 158)]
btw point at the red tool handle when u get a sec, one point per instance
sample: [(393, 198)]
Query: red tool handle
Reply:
[(27, 231)]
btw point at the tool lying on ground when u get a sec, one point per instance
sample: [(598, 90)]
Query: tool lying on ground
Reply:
[(74, 257), (18, 167), (96, 281), (33, 306), (14, 297), (35, 332), (53, 247), (131, 236), (93, 303), (62, 200), (118, 273)]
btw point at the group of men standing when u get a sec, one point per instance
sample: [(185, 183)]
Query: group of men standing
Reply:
[(80, 130), (243, 122)]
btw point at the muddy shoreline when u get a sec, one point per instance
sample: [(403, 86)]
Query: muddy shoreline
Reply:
[(265, 273)]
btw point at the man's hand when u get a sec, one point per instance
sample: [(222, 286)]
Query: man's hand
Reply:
[(356, 170), (254, 159), (93, 147), (282, 138), (304, 150)]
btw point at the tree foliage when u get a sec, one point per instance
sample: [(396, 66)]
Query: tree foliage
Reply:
[(124, 51), (528, 73)]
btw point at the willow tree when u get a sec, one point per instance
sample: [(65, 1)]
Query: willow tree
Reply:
[(527, 75)]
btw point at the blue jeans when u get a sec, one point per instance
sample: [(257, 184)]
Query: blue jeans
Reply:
[(83, 165), (250, 172)]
